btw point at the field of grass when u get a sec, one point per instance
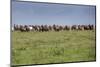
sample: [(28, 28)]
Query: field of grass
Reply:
[(52, 47)]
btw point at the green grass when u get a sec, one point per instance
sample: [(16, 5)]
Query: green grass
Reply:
[(52, 47)]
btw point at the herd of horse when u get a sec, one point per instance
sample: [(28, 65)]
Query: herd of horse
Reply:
[(45, 28)]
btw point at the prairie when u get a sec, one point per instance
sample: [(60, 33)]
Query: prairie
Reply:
[(52, 47)]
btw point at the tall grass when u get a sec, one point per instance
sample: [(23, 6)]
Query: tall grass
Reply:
[(52, 47)]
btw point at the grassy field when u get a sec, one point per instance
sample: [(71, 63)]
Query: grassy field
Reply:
[(52, 47)]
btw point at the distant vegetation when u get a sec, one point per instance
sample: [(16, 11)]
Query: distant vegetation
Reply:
[(52, 47)]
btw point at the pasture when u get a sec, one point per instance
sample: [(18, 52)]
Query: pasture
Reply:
[(52, 47)]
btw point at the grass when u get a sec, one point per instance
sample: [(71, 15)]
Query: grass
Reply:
[(52, 47)]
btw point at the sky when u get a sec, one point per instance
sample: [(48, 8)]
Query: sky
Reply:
[(50, 13)]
